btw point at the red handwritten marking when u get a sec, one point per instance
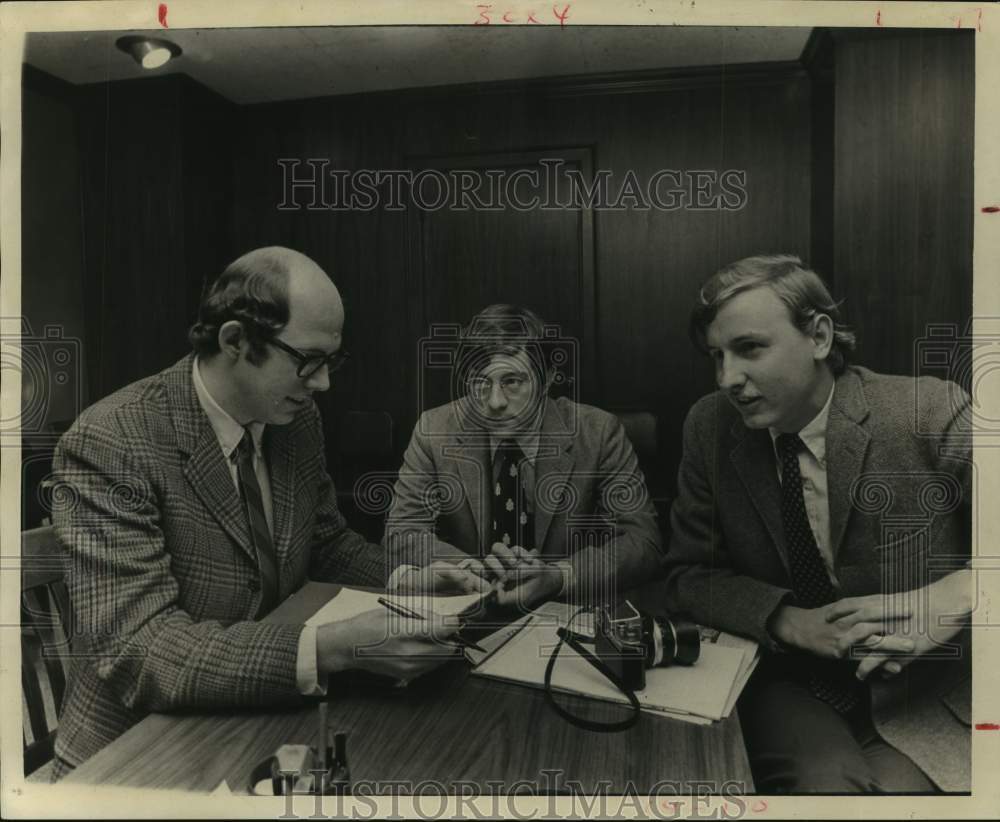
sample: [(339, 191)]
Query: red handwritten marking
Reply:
[(759, 807), (878, 17), (991, 209), (979, 20), (484, 18), (163, 15), (531, 18), (507, 18), (959, 23), (987, 726), (561, 17)]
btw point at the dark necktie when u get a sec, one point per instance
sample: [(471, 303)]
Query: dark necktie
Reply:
[(512, 524), (830, 680), (259, 532)]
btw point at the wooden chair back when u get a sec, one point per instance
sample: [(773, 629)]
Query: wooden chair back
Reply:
[(45, 614)]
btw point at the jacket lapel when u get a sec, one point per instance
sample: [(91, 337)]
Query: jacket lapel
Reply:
[(554, 459), (846, 447), (753, 461), (470, 457), (206, 468)]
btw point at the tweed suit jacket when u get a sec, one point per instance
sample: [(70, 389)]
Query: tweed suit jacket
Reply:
[(899, 488), (590, 500), (163, 577)]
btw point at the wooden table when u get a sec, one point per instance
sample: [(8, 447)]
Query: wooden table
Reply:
[(446, 726)]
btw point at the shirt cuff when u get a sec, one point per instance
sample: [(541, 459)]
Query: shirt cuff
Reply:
[(398, 574), (306, 668), (568, 577)]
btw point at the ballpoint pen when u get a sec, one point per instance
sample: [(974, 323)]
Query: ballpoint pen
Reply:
[(324, 752), (403, 611)]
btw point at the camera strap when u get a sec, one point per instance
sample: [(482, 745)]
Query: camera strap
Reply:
[(570, 638)]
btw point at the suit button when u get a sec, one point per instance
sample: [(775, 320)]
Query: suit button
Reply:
[(253, 585)]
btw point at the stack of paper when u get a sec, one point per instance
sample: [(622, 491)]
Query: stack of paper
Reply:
[(701, 693)]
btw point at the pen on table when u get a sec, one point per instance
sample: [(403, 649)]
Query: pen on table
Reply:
[(402, 610), (323, 724)]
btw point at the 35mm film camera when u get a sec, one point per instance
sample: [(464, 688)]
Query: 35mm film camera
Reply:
[(629, 642)]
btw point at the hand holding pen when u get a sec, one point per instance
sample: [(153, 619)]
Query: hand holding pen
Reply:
[(409, 613)]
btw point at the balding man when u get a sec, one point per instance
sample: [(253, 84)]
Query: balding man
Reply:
[(197, 499)]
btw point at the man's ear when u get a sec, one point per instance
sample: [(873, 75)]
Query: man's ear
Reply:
[(550, 377), (822, 336), (232, 339)]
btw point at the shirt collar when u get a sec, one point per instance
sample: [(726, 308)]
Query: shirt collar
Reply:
[(813, 436), (228, 432), (527, 441)]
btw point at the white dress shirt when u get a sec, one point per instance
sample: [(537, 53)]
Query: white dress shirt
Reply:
[(812, 466), (229, 433)]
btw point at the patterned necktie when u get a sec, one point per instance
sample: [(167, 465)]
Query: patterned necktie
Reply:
[(830, 680), (512, 524), (259, 532)]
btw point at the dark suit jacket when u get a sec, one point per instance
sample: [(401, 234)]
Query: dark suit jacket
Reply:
[(899, 483), (590, 500), (163, 577)]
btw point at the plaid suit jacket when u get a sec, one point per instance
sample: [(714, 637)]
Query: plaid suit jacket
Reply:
[(900, 480), (163, 577)]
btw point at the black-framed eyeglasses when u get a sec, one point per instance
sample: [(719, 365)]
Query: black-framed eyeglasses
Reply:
[(309, 364)]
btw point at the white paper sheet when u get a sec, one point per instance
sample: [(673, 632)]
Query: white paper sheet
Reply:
[(348, 603), (703, 689)]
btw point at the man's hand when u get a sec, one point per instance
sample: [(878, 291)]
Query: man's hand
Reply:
[(440, 577), (505, 560), (385, 643), (925, 629), (521, 578), (528, 586), (831, 631)]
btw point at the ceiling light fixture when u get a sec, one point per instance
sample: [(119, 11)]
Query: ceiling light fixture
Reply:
[(148, 52)]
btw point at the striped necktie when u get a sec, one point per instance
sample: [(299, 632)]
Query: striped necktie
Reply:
[(832, 681), (260, 534)]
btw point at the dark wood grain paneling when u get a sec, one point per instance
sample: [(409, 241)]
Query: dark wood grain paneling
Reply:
[(903, 187), (647, 265), (156, 181)]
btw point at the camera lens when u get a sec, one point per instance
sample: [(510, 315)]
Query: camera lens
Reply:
[(673, 643)]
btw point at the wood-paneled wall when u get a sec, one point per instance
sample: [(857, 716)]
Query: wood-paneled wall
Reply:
[(156, 210), (647, 266), (865, 165), (903, 188)]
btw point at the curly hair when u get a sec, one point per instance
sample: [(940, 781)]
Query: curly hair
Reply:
[(799, 288), (252, 290)]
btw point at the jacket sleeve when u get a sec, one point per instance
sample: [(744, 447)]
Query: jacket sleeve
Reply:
[(604, 572), (701, 580), (410, 537), (125, 596)]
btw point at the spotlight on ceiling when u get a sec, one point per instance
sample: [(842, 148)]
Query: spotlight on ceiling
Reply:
[(148, 52)]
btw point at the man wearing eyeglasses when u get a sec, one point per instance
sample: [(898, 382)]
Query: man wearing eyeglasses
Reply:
[(198, 499), (542, 496)]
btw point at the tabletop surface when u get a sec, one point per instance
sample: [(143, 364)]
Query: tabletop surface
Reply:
[(446, 727)]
